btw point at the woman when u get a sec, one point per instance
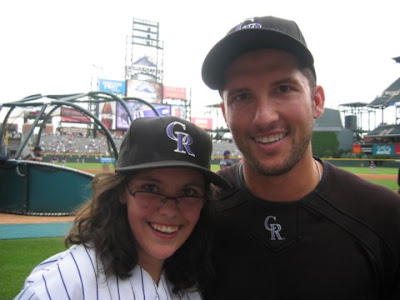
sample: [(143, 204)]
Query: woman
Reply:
[(145, 232)]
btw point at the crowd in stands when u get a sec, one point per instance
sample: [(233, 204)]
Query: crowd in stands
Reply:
[(77, 143)]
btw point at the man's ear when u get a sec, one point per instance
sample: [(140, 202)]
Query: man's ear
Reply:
[(318, 101)]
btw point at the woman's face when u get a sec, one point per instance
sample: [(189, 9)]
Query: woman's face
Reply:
[(161, 224)]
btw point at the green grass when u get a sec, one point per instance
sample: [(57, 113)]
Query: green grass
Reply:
[(391, 184), (367, 170), (214, 167), (17, 259), (81, 166)]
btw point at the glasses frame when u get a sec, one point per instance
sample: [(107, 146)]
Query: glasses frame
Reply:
[(164, 198)]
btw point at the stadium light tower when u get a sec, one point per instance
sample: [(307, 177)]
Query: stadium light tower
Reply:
[(144, 58)]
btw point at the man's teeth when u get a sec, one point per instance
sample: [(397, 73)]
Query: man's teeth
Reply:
[(164, 228), (270, 138)]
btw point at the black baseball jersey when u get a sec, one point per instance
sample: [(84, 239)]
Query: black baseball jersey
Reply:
[(342, 241)]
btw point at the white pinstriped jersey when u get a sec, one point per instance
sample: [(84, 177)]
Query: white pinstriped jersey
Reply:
[(72, 275)]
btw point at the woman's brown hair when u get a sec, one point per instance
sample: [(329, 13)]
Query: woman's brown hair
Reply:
[(102, 224)]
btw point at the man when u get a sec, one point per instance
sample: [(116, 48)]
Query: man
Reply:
[(36, 155), (226, 161), (293, 226)]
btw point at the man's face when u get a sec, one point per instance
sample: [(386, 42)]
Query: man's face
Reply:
[(269, 108)]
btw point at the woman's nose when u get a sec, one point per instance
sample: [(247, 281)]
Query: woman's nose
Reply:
[(169, 207)]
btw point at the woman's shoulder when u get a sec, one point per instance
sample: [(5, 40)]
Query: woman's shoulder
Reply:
[(69, 272)]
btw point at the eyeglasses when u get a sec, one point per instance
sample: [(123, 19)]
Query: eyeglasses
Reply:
[(156, 200)]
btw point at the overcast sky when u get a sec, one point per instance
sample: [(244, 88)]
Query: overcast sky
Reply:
[(57, 46)]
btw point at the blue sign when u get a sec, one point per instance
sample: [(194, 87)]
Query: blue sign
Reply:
[(112, 86), (383, 149), (139, 110), (163, 110), (108, 160)]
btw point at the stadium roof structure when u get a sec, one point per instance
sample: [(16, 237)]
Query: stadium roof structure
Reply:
[(354, 104), (390, 96), (385, 101), (329, 121), (385, 130), (394, 87), (216, 105)]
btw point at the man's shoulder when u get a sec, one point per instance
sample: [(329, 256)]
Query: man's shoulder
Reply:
[(227, 198), (231, 173), (364, 201), (352, 185)]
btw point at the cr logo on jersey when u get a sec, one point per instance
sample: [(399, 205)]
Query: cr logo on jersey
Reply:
[(183, 139), (273, 228)]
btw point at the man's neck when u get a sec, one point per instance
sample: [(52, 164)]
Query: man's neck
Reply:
[(291, 186)]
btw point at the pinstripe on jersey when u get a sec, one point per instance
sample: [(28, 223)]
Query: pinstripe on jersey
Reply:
[(72, 275)]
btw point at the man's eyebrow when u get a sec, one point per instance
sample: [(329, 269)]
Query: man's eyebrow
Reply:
[(237, 91), (287, 80)]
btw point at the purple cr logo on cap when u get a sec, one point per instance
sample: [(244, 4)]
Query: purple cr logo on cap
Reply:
[(248, 24), (183, 139)]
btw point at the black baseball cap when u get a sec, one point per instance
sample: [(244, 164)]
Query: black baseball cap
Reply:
[(165, 142), (252, 34)]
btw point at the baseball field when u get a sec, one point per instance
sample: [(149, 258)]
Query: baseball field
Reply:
[(19, 256)]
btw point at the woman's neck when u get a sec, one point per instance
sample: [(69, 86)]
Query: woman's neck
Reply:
[(153, 267)]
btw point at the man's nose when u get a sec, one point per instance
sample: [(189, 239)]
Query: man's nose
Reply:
[(266, 111)]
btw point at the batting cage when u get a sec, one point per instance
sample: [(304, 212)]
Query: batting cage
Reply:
[(36, 188)]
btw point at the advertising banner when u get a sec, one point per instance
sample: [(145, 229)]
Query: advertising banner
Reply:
[(117, 87), (139, 110), (205, 123), (383, 149), (397, 149), (108, 160), (73, 115), (106, 114), (366, 149), (146, 90), (357, 149), (178, 111), (174, 92)]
